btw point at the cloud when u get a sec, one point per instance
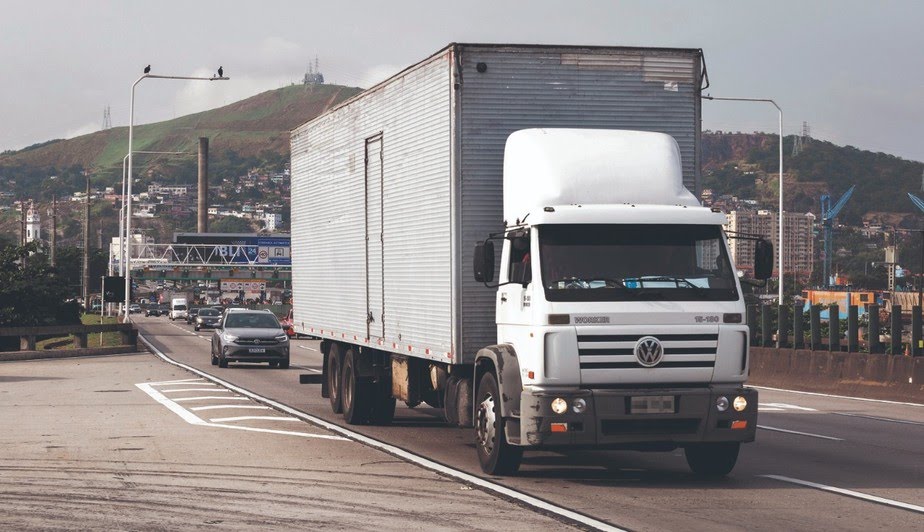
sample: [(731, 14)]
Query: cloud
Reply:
[(196, 96)]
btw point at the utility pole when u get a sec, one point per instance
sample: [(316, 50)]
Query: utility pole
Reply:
[(54, 229), (86, 249)]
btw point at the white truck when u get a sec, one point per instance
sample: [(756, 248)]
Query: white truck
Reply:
[(178, 308), (617, 320)]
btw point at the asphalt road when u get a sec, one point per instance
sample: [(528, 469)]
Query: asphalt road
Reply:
[(819, 463)]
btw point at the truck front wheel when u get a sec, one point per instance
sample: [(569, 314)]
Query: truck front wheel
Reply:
[(497, 457), (712, 459)]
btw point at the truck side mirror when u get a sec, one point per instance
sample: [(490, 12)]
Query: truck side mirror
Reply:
[(484, 261), (763, 259)]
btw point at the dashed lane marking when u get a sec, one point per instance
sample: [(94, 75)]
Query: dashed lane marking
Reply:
[(796, 432), (211, 390), (308, 348), (839, 396), (209, 397), (782, 407), (850, 493), (218, 407), (244, 418)]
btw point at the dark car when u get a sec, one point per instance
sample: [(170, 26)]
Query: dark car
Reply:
[(207, 317), (191, 315), (250, 336), (153, 310)]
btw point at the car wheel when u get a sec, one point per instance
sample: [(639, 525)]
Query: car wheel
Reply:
[(284, 364), (196, 327), (214, 359), (273, 364), (497, 457), (222, 362)]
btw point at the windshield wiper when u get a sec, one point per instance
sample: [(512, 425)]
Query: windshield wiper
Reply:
[(585, 283), (677, 280)]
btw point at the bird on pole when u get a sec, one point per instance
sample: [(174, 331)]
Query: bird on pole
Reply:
[(147, 69), (221, 71)]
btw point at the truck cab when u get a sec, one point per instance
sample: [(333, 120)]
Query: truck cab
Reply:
[(620, 316)]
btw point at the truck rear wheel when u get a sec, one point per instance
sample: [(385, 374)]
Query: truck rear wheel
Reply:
[(355, 393), (712, 459), (334, 378), (497, 457)]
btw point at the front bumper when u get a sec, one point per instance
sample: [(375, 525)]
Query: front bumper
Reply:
[(608, 421), (271, 353)]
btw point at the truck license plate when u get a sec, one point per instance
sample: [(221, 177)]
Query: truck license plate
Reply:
[(652, 404), (257, 350)]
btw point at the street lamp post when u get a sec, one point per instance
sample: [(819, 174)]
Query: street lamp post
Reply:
[(128, 195), (780, 111)]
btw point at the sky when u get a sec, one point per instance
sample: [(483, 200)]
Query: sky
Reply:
[(853, 70)]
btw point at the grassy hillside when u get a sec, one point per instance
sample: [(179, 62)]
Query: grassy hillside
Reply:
[(248, 127)]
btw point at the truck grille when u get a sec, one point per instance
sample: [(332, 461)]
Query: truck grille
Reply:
[(616, 351)]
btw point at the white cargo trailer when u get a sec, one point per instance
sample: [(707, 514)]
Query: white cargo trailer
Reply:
[(393, 189)]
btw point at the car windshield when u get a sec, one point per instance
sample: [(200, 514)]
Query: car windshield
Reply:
[(632, 262), (246, 320), (208, 312)]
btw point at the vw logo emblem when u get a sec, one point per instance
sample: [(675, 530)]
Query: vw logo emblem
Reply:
[(257, 342), (648, 351)]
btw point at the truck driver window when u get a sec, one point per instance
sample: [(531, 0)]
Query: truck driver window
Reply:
[(635, 262), (520, 270)]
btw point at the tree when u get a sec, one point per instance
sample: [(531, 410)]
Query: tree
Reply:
[(31, 292), (231, 224)]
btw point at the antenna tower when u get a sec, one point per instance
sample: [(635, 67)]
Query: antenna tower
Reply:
[(107, 118)]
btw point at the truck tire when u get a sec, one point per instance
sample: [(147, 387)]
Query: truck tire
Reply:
[(334, 378), (712, 459), (450, 412), (464, 402), (356, 394), (496, 456)]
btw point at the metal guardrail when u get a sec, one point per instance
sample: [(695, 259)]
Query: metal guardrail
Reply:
[(29, 335)]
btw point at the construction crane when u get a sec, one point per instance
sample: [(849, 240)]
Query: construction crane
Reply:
[(828, 213), (918, 202)]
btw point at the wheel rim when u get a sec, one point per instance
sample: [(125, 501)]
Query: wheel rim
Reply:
[(485, 424), (347, 391)]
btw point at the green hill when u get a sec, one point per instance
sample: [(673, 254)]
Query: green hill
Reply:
[(248, 128)]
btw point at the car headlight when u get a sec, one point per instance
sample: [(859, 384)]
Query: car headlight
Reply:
[(229, 337), (559, 405), (282, 338), (740, 403)]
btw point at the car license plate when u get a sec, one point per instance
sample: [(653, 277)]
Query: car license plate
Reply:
[(652, 404), (257, 350)]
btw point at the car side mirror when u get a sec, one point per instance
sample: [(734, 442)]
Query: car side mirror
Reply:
[(763, 259), (483, 262)]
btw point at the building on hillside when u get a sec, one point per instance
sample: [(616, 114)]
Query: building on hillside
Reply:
[(155, 189), (272, 221), (33, 225), (798, 240)]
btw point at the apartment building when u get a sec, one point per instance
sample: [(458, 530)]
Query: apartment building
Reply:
[(798, 240)]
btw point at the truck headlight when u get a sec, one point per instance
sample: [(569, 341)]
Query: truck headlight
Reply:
[(559, 405), (721, 404), (740, 404), (579, 406)]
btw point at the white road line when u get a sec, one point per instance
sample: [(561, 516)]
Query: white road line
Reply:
[(308, 348), (193, 419), (839, 396), (208, 397), (774, 429), (787, 406), (889, 420), (216, 389), (181, 381), (762, 409), (217, 407), (425, 463), (850, 493), (242, 418), (306, 368)]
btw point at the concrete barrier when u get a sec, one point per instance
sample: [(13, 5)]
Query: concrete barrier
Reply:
[(70, 353), (894, 378)]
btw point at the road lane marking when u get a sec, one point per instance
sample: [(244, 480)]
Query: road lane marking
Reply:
[(181, 381), (216, 407), (206, 397), (211, 390), (889, 420), (785, 406), (308, 348), (242, 418), (306, 368), (775, 429), (850, 493), (426, 463), (193, 419), (839, 396)]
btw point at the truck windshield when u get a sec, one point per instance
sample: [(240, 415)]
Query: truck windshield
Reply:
[(635, 262)]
